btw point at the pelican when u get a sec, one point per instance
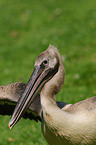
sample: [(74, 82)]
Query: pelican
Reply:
[(71, 125)]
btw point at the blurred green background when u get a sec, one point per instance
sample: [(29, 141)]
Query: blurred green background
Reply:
[(27, 27)]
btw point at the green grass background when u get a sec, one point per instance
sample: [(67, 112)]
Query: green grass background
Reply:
[(27, 27)]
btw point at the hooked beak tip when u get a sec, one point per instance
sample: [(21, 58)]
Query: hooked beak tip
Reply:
[(9, 126)]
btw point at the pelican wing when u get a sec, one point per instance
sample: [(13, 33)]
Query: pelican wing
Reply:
[(9, 95)]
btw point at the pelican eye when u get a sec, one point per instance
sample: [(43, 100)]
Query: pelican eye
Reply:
[(45, 62)]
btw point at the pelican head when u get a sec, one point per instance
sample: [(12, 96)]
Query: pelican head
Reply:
[(46, 67)]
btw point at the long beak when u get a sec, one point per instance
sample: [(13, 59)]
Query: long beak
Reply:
[(36, 81)]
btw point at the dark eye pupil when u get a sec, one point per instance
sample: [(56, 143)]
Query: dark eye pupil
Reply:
[(45, 61)]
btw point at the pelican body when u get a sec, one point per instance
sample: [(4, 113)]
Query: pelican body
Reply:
[(71, 125)]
